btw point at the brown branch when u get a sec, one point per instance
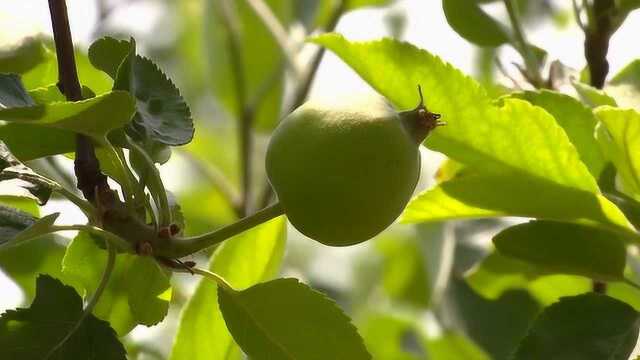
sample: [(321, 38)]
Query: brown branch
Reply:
[(596, 41), (86, 165)]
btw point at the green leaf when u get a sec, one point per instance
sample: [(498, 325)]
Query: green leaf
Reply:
[(491, 137), (12, 222), (630, 74), (625, 86), (577, 121), (123, 301), (21, 138), (149, 291), (260, 69), (494, 325), (565, 248), (591, 96), (25, 56), (162, 114), (472, 23), (589, 326), (284, 319), (38, 228), (620, 139), (497, 274), (94, 117), (12, 92), (107, 54), (22, 263), (626, 6), (38, 186), (35, 60), (481, 196), (48, 94), (31, 333), (244, 260)]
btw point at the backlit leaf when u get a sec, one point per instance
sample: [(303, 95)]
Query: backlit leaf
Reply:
[(585, 327), (284, 319), (244, 260)]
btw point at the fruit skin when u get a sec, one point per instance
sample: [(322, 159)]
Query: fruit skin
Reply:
[(343, 171)]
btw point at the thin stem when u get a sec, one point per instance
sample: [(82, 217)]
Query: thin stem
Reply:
[(522, 45), (577, 14), (244, 113), (219, 280), (114, 239), (279, 33), (86, 207), (180, 247), (106, 275), (305, 85), (631, 283), (128, 188), (213, 276), (155, 184)]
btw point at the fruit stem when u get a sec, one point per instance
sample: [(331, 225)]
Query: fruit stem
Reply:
[(419, 122), (178, 247)]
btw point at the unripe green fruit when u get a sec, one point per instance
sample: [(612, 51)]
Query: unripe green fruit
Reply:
[(343, 172)]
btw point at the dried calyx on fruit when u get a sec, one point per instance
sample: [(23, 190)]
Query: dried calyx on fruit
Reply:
[(344, 170)]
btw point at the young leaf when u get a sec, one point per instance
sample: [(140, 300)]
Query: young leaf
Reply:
[(162, 114), (12, 222), (586, 327), (284, 319), (107, 54), (479, 196), (39, 228), (630, 74), (577, 121), (244, 260), (25, 56), (37, 185), (565, 248), (12, 92), (591, 96), (127, 300), (23, 263), (620, 141), (472, 23), (32, 333)]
